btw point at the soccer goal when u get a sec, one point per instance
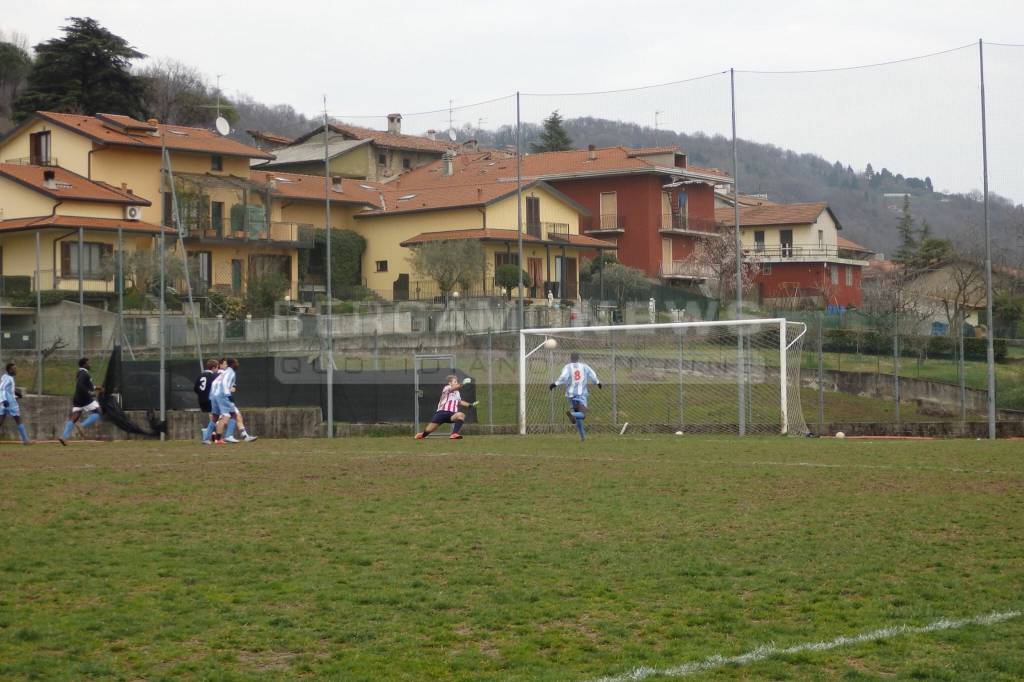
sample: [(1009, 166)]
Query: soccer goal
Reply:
[(730, 377)]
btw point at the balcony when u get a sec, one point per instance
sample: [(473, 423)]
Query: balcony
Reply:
[(607, 224), (806, 253), (273, 233), (554, 230), (677, 223), (34, 161), (684, 269)]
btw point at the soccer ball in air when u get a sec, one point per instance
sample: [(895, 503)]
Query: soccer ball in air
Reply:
[(550, 344), (466, 382), (840, 434)]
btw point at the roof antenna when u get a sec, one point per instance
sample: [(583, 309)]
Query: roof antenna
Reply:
[(452, 134), (223, 127)]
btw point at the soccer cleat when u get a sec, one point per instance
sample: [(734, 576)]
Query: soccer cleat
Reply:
[(572, 419), (230, 439), (420, 436), (455, 436), (62, 442), (205, 442), (248, 438)]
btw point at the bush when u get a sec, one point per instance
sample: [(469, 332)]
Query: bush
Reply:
[(47, 298), (264, 291), (876, 343), (231, 307), (507, 277)]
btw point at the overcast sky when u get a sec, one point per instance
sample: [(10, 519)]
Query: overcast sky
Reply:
[(376, 57)]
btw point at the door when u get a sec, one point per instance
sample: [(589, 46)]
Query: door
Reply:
[(565, 269), (535, 268), (236, 275), (666, 256), (666, 211), (217, 217), (786, 242), (609, 210)]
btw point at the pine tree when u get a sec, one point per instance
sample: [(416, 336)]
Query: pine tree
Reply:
[(869, 171), (908, 244), (87, 71), (553, 138)]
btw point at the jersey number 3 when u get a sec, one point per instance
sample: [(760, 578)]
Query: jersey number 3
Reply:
[(202, 384)]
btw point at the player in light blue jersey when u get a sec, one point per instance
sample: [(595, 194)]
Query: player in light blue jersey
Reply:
[(9, 394), (577, 376)]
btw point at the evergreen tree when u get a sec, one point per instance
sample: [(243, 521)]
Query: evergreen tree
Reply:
[(928, 184), (869, 172), (553, 137), (15, 64), (908, 243), (87, 71)]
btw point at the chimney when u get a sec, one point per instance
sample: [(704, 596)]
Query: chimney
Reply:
[(49, 179), (471, 145), (431, 133), (395, 124), (124, 186), (152, 121), (479, 193), (591, 153), (336, 183), (448, 164)]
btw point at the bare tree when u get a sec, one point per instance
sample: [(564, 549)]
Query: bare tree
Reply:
[(715, 258), (891, 301), (179, 93), (960, 287), (450, 263)]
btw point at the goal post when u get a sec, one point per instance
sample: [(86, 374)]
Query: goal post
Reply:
[(670, 377)]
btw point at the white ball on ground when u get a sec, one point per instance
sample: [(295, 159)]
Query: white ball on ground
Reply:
[(550, 344), (840, 434), (679, 433)]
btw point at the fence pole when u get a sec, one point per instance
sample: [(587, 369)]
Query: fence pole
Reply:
[(615, 387), (39, 322), (81, 294), (490, 381), (990, 336), (551, 394), (896, 373), (739, 257), (962, 378), (330, 302), (821, 377)]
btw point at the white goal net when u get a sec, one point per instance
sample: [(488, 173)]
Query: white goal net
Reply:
[(730, 377)]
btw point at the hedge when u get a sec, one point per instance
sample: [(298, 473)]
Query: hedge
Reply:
[(877, 343)]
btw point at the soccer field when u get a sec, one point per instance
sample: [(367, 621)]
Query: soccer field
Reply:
[(508, 558)]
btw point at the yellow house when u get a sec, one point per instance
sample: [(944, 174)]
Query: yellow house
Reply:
[(485, 211), (356, 152), (229, 226), (67, 228)]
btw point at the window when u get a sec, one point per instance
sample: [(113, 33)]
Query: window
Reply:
[(217, 217), (382, 266), (407, 164), (217, 162), (505, 259), (236, 275), (93, 259), (168, 210), (39, 148), (533, 216), (382, 159), (849, 276), (834, 271), (609, 211), (759, 240), (201, 264), (666, 211), (821, 238), (766, 268), (786, 242)]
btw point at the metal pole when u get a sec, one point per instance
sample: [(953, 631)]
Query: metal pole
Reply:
[(821, 380), (990, 341), (39, 323), (330, 301), (682, 396), (519, 211), (739, 258), (783, 376), (120, 285), (896, 369), (163, 332), (962, 377), (615, 386), (176, 217), (81, 294), (490, 380)]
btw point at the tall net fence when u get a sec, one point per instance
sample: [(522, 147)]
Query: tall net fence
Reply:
[(725, 378)]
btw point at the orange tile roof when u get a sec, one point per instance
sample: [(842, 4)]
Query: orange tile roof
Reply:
[(383, 138), (844, 243), (126, 131), (646, 151), (268, 136), (69, 186), (74, 222), (505, 236), (774, 214), (311, 188)]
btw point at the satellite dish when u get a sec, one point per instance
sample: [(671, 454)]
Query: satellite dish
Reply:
[(222, 126), (453, 134)]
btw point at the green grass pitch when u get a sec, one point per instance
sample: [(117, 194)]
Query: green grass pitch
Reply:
[(507, 558)]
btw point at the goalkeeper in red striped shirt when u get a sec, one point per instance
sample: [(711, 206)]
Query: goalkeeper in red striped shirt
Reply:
[(449, 410)]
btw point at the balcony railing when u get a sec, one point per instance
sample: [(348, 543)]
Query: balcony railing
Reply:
[(684, 269), (609, 223), (677, 222), (797, 252), (555, 228), (283, 232), (33, 161)]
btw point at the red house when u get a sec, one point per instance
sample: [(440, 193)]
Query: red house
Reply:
[(799, 254)]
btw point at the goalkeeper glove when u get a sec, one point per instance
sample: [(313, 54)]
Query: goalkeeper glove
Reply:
[(18, 393), (599, 385), (6, 404), (552, 387), (474, 403)]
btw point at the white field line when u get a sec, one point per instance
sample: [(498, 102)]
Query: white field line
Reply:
[(766, 651)]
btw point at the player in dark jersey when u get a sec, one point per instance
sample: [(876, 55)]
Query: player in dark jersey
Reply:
[(202, 389), (83, 401)]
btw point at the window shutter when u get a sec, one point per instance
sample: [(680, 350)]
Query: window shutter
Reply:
[(65, 259)]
